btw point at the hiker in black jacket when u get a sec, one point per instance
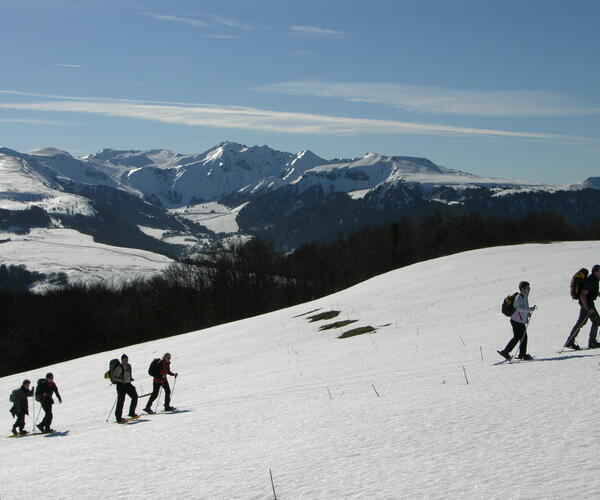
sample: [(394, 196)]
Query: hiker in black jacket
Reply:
[(122, 377), (20, 406), (589, 293), (44, 392)]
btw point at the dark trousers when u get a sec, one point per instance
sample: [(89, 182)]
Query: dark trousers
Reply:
[(155, 390), (20, 422), (581, 321), (519, 332), (47, 420), (122, 390)]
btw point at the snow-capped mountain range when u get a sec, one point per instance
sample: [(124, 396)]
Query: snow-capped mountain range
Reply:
[(173, 204)]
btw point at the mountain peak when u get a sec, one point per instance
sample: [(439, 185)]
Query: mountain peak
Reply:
[(50, 152)]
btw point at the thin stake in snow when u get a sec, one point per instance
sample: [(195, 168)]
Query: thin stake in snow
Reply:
[(465, 372), (461, 339), (373, 386), (272, 485), (330, 397), (481, 351)]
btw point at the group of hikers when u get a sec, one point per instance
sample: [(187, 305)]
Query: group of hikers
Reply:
[(584, 288), (119, 373)]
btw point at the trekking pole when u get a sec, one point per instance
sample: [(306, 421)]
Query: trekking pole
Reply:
[(157, 398), (34, 420), (173, 391), (574, 333), (113, 407), (524, 333)]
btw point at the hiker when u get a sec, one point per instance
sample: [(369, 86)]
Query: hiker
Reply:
[(20, 406), (122, 378), (589, 293), (160, 381), (518, 321), (43, 393)]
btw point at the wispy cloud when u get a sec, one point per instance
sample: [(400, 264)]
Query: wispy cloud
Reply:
[(237, 117), (193, 21), (205, 21), (231, 23), (437, 100), (315, 30), (75, 66), (30, 121)]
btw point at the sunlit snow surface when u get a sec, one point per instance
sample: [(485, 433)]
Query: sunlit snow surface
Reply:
[(274, 392), (78, 255)]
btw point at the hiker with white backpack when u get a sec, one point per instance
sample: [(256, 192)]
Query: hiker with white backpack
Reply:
[(518, 305)]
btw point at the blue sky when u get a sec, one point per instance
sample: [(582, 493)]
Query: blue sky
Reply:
[(502, 88)]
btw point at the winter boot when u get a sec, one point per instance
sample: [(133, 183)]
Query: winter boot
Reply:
[(133, 415), (149, 411), (23, 432), (572, 345), (169, 408), (593, 344), (505, 355), (42, 429)]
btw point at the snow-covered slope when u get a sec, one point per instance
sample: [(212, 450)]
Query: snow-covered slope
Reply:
[(381, 416), (78, 256), (24, 184)]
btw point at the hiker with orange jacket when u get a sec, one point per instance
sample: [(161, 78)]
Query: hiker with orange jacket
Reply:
[(160, 381)]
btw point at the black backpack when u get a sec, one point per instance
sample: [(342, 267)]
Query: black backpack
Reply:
[(153, 369), (508, 304), (40, 388), (577, 283), (112, 365)]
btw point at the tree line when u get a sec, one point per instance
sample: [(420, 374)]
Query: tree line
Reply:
[(236, 281)]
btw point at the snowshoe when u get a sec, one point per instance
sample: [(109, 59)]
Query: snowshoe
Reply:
[(526, 357)]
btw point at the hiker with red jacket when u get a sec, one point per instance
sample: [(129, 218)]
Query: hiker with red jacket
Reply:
[(587, 296), (160, 381), (44, 391)]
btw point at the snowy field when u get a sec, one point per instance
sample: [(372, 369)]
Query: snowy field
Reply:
[(78, 255), (213, 215), (385, 415)]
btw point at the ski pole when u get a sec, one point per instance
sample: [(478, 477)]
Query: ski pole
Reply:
[(34, 419), (574, 333), (173, 391), (113, 407), (525, 332), (157, 398)]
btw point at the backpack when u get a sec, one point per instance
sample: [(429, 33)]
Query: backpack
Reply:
[(508, 304), (153, 369), (39, 389), (13, 396), (577, 282), (111, 369)]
